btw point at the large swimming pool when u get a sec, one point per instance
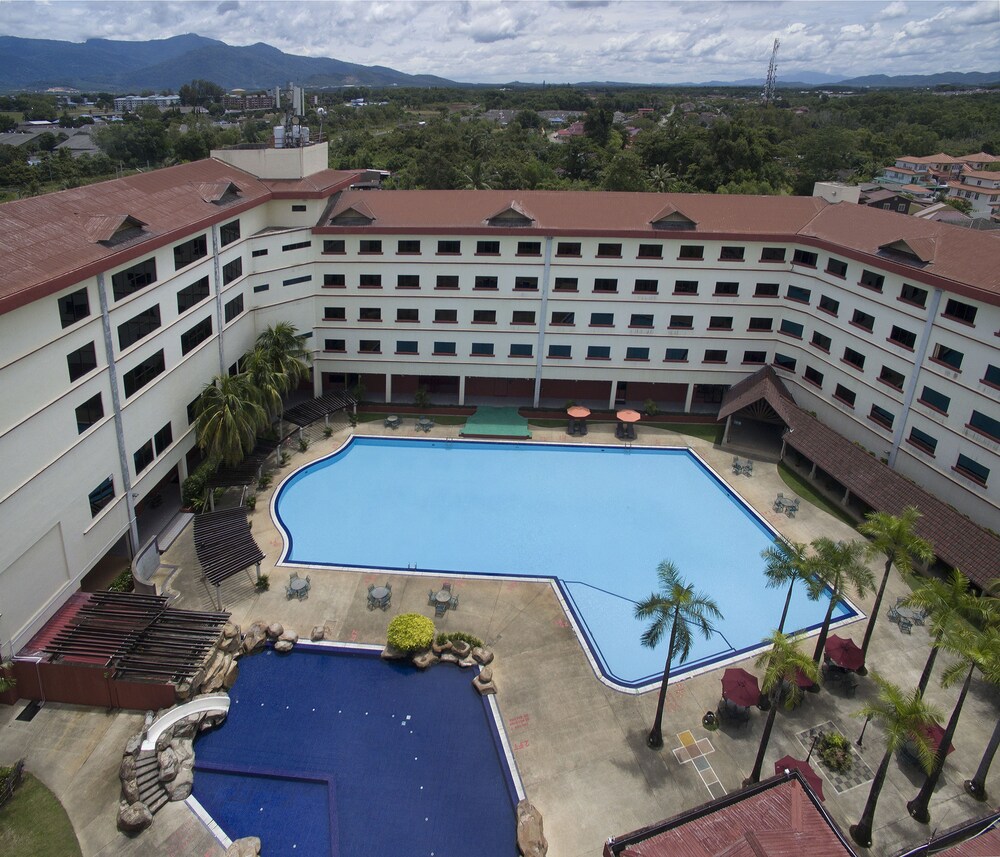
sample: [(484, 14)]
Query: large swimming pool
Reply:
[(595, 519)]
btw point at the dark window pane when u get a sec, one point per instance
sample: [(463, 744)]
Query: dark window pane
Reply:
[(190, 251), (137, 327), (89, 413), (191, 295), (81, 361), (137, 378), (73, 307), (193, 337), (131, 280), (229, 232), (101, 496)]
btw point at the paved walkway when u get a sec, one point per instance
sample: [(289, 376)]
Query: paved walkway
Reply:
[(579, 746)]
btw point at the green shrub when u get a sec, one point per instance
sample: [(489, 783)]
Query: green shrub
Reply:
[(410, 632), (303, 444), (459, 636), (193, 489), (650, 408), (834, 751), (264, 482), (123, 582), (251, 502), (262, 583), (327, 431)]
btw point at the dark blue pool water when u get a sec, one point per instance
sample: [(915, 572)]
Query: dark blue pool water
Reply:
[(343, 754)]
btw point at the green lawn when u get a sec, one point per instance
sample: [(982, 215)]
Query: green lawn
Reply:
[(802, 488), (34, 824)]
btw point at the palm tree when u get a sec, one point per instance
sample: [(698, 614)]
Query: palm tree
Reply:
[(268, 383), (675, 608), (893, 537), (951, 604), (976, 787), (839, 567), (287, 352), (785, 562), (661, 178), (782, 663), (902, 716), (977, 650), (228, 419)]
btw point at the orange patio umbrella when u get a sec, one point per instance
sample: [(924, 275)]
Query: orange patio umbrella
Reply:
[(627, 415)]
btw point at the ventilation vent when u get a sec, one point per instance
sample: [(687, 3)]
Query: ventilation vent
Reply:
[(512, 215)]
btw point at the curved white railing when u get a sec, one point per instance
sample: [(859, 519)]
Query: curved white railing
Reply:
[(209, 702)]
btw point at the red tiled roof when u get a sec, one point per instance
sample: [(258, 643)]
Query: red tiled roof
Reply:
[(316, 186), (957, 540), (986, 845)]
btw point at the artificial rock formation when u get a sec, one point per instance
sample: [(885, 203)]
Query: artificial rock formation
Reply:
[(482, 656), (275, 630), (319, 632), (248, 846), (133, 818), (530, 839), (286, 641), (425, 659), (255, 637), (484, 682)]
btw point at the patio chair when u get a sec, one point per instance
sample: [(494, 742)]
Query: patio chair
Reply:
[(571, 428), (620, 431), (792, 508), (893, 614), (289, 592), (918, 616), (440, 608), (629, 431), (906, 626), (453, 604), (748, 468), (779, 502), (737, 467), (582, 428), (446, 587), (303, 593), (430, 596)]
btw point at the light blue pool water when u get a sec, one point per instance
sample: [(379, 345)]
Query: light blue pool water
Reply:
[(598, 520)]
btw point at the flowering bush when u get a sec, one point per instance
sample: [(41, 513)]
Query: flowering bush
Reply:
[(410, 632), (834, 751)]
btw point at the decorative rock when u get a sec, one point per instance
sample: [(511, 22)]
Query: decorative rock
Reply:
[(289, 636), (530, 839), (126, 770), (133, 744), (130, 790), (467, 662), (485, 674), (275, 630), (284, 646), (180, 787), (442, 648), (483, 656), (248, 846), (484, 682), (391, 653), (164, 739), (182, 693), (216, 672), (167, 760), (449, 658), (318, 633), (133, 818), (253, 640), (229, 679), (230, 641), (461, 648), (425, 659)]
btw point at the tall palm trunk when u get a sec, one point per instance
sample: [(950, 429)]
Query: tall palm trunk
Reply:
[(925, 676), (784, 612), (765, 736), (862, 831), (977, 785), (825, 630), (918, 806), (655, 737), (874, 617)]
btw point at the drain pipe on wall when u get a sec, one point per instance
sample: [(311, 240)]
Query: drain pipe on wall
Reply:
[(546, 271)]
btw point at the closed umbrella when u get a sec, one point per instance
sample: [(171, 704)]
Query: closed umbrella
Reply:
[(740, 687), (844, 652), (787, 763)]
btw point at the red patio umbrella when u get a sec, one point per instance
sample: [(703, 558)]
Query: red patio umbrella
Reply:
[(844, 652), (787, 763), (934, 732), (740, 687), (802, 680)]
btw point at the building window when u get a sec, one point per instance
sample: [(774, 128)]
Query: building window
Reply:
[(370, 281), (731, 254), (565, 284), (256, 254), (676, 355), (863, 320), (520, 316), (854, 358), (923, 441), (81, 361), (609, 251), (691, 252), (948, 356), (602, 319), (190, 339), (871, 280), (143, 457), (881, 416), (681, 322), (294, 281), (89, 413), (526, 284), (232, 308), (797, 293), (686, 287), (563, 319), (641, 320), (959, 311), (192, 295), (73, 307), (139, 326), (334, 281), (598, 352), (335, 345), (232, 270), (783, 361), (482, 349), (192, 409), (754, 357), (813, 377), (902, 337), (986, 425), (992, 376), (408, 247), (101, 496), (406, 346), (488, 283), (298, 245), (334, 245), (370, 346), (366, 313), (449, 248), (772, 254), (229, 232), (131, 280), (261, 288), (445, 348), (766, 290), (759, 323), (637, 354), (933, 399), (821, 341), (446, 316), (529, 248), (520, 350), (334, 313), (790, 328), (568, 248), (484, 316), (605, 284), (407, 281), (720, 322), (828, 304), (370, 247), (727, 289), (298, 208), (645, 287), (650, 251), (836, 267), (891, 377), (407, 315), (845, 395), (715, 355), (804, 257), (487, 248), (560, 352), (972, 469), (912, 295), (137, 378)]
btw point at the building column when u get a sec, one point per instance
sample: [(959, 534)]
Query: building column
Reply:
[(388, 388), (812, 471), (687, 402), (461, 391), (317, 381), (614, 395), (725, 434)]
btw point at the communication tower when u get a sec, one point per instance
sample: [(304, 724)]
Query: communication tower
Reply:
[(292, 134), (767, 96)]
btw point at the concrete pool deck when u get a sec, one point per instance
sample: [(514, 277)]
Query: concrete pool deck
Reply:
[(579, 745)]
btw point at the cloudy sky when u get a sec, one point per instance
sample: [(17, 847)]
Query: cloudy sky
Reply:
[(664, 41)]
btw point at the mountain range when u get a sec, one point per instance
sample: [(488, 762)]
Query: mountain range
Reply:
[(158, 64)]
